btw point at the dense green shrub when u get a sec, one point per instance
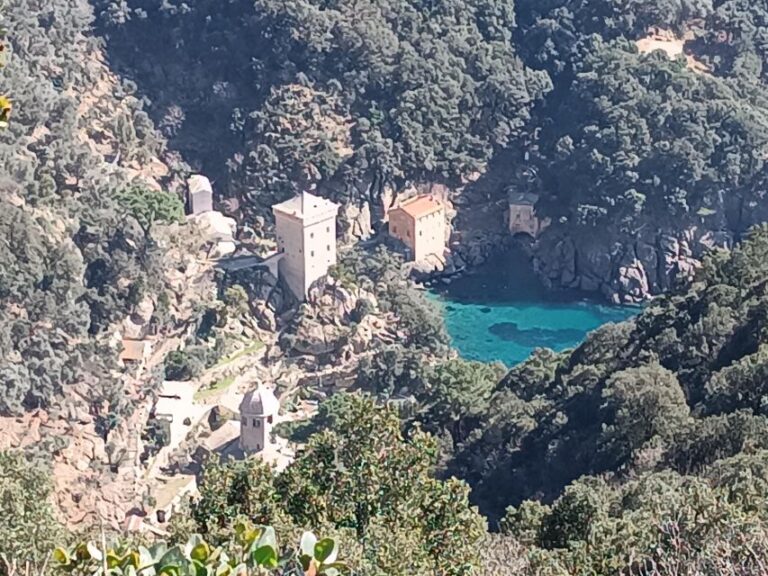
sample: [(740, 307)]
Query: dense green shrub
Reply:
[(251, 550)]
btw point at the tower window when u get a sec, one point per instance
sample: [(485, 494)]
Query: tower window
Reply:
[(328, 229), (311, 234), (256, 423), (312, 253), (329, 247)]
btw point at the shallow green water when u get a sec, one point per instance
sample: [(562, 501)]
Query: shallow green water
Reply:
[(503, 313)]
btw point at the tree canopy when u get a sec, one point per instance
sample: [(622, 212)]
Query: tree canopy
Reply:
[(362, 478)]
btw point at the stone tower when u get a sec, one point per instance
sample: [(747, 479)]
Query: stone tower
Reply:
[(200, 194), (257, 412), (306, 234)]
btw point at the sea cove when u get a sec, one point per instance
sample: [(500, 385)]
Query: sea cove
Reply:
[(502, 312)]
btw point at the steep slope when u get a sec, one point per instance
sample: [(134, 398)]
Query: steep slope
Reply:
[(678, 388), (75, 259)]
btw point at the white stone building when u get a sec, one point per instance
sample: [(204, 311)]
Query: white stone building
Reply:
[(306, 234), (199, 194), (258, 411)]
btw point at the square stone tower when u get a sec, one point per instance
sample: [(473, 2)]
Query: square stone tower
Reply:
[(306, 234)]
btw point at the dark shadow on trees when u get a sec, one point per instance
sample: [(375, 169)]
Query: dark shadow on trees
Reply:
[(201, 70)]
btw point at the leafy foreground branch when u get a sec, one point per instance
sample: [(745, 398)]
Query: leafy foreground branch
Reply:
[(253, 550)]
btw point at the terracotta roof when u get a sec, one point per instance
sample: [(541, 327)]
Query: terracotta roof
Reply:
[(220, 438), (132, 349), (306, 205), (420, 206)]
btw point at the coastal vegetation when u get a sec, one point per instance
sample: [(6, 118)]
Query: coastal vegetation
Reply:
[(640, 451)]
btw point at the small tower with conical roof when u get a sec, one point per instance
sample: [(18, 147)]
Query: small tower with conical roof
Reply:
[(257, 413)]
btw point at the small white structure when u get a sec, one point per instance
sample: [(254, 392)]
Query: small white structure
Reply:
[(257, 413), (522, 215), (199, 194), (306, 234)]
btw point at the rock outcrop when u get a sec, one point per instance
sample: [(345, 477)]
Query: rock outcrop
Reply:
[(217, 230), (625, 270), (355, 222), (335, 324)]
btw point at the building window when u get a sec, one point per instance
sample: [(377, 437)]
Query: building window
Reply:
[(329, 247), (311, 234), (269, 419), (328, 229), (421, 232), (256, 423), (312, 253)]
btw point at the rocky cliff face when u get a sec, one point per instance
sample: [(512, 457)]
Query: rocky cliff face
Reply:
[(625, 269)]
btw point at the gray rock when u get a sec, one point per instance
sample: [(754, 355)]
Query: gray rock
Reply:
[(589, 283), (222, 249), (314, 338), (633, 282), (214, 226), (265, 317), (358, 220)]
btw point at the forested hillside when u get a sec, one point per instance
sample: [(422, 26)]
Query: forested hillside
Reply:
[(644, 444), (660, 419), (74, 259), (643, 162), (357, 97), (642, 451), (92, 251)]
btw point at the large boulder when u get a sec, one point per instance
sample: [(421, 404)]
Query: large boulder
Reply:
[(265, 317), (356, 222), (426, 268), (222, 249), (214, 226), (361, 338), (315, 338), (633, 282)]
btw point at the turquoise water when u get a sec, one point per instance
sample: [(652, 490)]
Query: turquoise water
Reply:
[(504, 313)]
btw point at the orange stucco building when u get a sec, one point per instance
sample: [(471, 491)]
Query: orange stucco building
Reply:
[(420, 224)]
